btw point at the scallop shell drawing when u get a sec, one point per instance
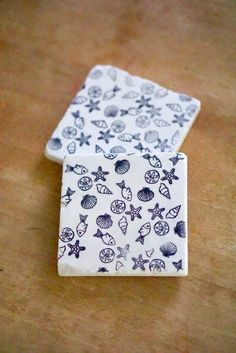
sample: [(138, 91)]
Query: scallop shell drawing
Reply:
[(130, 81), (191, 110), (118, 149), (147, 88), (123, 224), (54, 143), (118, 206), (104, 221), (100, 123), (102, 189), (173, 213), (122, 166), (175, 107), (161, 228), (157, 265), (71, 148), (88, 201), (152, 176), (130, 95), (164, 190), (151, 136), (175, 138), (160, 93), (180, 229), (95, 74), (168, 249), (111, 72), (145, 194), (161, 123), (85, 183), (111, 111)]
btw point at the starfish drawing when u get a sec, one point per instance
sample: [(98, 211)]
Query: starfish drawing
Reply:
[(169, 176), (100, 174), (134, 212), (105, 135), (175, 159), (153, 111), (162, 145), (143, 102), (139, 262), (92, 105), (75, 249), (83, 140), (156, 212), (140, 148), (123, 252), (178, 265), (102, 269), (180, 119)]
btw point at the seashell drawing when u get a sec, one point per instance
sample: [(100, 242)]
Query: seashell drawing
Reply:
[(173, 212), (66, 235), (180, 229), (164, 190), (153, 160), (157, 265), (100, 123), (61, 251), (102, 189), (123, 224), (152, 176), (191, 110), (149, 252), (161, 228), (71, 148), (85, 183), (130, 81), (185, 98), (118, 265), (175, 138), (122, 166), (147, 88), (175, 107), (104, 221), (130, 95), (160, 93), (88, 201), (118, 126), (118, 206), (54, 143), (111, 72), (111, 111), (95, 74), (95, 92), (107, 255), (161, 123), (168, 249), (118, 149), (151, 136), (145, 194), (142, 121), (79, 100), (69, 132)]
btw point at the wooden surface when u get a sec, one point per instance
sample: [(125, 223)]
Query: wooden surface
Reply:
[(47, 48)]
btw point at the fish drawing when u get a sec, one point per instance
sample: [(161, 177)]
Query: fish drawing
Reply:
[(131, 111), (105, 237), (111, 93), (77, 169), (79, 120), (153, 160), (125, 191), (144, 231), (66, 199), (126, 137), (82, 226)]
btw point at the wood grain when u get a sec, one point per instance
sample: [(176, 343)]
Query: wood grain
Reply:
[(47, 48)]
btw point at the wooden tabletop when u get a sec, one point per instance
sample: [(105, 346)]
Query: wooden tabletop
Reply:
[(47, 48)]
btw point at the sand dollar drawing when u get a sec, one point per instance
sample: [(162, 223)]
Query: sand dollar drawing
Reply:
[(85, 183), (152, 176), (107, 255), (142, 121), (118, 206), (66, 235), (69, 132), (161, 228), (95, 92), (118, 126)]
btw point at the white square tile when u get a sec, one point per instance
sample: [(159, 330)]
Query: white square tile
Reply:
[(116, 112), (124, 215)]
